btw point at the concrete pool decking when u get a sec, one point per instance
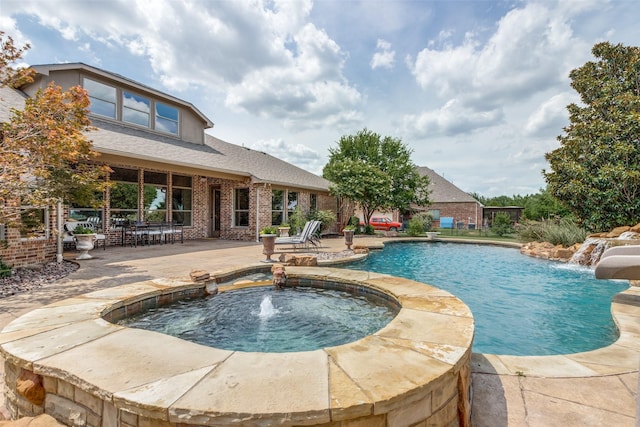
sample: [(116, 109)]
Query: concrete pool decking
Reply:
[(527, 391)]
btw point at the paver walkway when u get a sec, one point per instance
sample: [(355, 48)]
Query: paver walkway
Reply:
[(498, 399)]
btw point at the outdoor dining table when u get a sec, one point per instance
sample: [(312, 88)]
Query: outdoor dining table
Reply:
[(148, 232)]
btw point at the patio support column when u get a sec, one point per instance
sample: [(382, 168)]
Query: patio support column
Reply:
[(257, 213), (59, 257)]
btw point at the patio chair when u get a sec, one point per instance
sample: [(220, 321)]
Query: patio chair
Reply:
[(304, 239), (138, 232)]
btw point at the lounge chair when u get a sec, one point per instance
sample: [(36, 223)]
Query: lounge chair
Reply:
[(304, 239)]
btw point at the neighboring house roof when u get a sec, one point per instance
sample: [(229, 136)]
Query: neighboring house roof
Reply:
[(443, 191)]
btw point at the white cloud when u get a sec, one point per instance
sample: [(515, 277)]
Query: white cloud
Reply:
[(486, 81), (264, 57), (452, 119), (296, 154), (551, 116), (384, 58), (531, 51)]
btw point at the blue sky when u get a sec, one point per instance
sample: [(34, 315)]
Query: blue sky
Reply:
[(477, 89)]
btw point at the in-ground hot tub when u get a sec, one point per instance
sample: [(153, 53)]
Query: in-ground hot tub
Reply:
[(416, 368)]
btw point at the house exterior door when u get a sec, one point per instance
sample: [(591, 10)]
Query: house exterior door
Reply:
[(214, 211)]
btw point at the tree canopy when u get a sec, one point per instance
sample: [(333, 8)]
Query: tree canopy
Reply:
[(595, 171), (538, 206), (44, 154), (376, 173)]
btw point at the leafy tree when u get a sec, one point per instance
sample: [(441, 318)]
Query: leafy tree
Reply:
[(543, 205), (9, 55), (44, 154), (501, 224), (595, 170), (376, 173)]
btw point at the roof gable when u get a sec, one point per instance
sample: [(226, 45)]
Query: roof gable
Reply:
[(443, 191), (46, 69)]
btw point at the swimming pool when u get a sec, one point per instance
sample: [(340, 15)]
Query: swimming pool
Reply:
[(522, 306)]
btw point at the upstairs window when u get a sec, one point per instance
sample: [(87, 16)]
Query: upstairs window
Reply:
[(102, 97), (135, 109), (166, 119)]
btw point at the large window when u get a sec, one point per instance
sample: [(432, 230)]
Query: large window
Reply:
[(155, 196), (280, 212), (135, 109), (292, 202), (277, 207), (86, 213), (124, 195), (34, 222), (166, 119), (181, 199), (241, 207), (132, 108), (102, 97)]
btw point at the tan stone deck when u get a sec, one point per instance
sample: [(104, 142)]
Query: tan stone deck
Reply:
[(589, 389)]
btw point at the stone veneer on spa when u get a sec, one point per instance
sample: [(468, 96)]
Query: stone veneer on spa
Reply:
[(414, 370)]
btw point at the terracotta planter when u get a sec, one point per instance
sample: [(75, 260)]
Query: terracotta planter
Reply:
[(268, 245), (348, 237), (84, 243)]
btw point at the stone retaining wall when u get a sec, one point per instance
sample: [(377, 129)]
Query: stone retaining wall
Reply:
[(414, 371)]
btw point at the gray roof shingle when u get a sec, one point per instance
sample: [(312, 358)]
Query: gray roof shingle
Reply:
[(214, 156), (443, 191)]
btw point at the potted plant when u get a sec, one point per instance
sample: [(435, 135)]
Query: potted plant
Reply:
[(283, 229), (348, 232), (84, 237), (268, 235)]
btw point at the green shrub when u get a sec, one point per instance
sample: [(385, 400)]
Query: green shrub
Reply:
[(415, 227), (270, 229), (5, 270), (501, 224), (564, 231), (327, 218), (426, 218), (297, 220), (82, 230), (354, 222)]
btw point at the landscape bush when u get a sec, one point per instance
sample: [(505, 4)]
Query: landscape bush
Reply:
[(419, 224), (563, 231)]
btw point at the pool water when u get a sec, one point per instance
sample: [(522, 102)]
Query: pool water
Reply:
[(521, 305), (261, 319)]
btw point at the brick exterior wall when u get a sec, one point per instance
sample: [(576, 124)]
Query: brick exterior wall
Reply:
[(16, 251), (465, 212), (19, 252)]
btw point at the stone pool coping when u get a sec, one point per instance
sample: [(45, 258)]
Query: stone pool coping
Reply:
[(418, 357), (621, 357)]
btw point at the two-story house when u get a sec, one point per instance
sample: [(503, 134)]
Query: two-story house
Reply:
[(165, 168)]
